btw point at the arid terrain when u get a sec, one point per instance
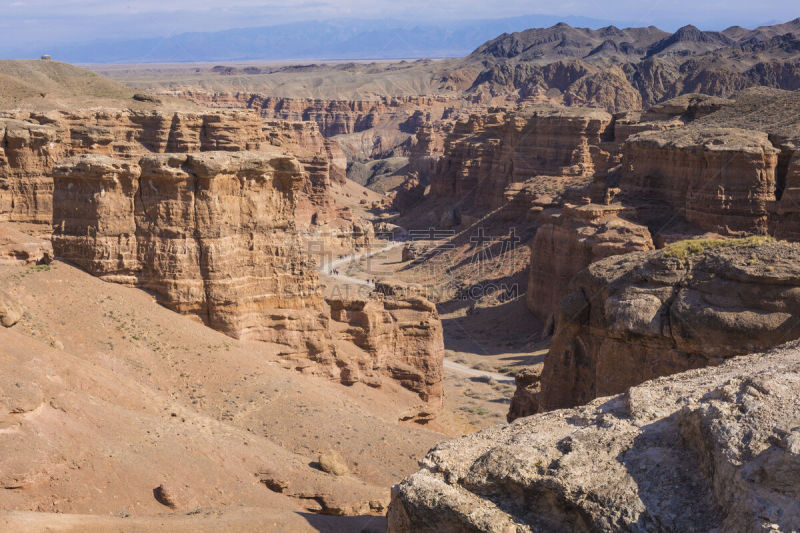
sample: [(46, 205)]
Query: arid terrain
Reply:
[(550, 286)]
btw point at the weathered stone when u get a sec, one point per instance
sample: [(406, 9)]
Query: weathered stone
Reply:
[(402, 336), (333, 463), (10, 310), (710, 449), (635, 317), (409, 253), (526, 396), (409, 193), (17, 247), (572, 241)]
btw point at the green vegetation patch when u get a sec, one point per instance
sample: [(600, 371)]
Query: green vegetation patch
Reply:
[(689, 247)]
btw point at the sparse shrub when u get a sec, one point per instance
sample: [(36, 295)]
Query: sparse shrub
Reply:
[(684, 249)]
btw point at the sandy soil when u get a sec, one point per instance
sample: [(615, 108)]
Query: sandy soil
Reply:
[(121, 391)]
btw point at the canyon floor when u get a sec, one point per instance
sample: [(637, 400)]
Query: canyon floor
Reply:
[(484, 347)]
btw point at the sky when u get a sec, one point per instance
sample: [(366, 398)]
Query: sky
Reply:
[(27, 22)]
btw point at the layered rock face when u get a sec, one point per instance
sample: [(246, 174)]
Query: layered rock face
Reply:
[(403, 338), (210, 234), (213, 235), (720, 179), (487, 153), (706, 450), (571, 241), (32, 144), (334, 117), (27, 154), (630, 318), (785, 218)]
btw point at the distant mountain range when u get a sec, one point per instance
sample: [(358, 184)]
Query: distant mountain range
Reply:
[(632, 68), (338, 39), (561, 41)]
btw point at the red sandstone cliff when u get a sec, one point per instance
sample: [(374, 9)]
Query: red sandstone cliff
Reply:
[(487, 153), (32, 143), (211, 234)]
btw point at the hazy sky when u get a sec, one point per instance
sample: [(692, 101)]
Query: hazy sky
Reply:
[(25, 22)]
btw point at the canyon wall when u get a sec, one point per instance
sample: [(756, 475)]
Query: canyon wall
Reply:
[(32, 143), (211, 234), (705, 450), (487, 153), (28, 153), (785, 218), (334, 117), (572, 240), (720, 179), (629, 318), (682, 174)]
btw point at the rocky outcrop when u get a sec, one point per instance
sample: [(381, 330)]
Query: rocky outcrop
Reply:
[(720, 179), (210, 234), (402, 335), (526, 395), (538, 199), (409, 193), (28, 152), (706, 450), (571, 241), (629, 318), (487, 153)]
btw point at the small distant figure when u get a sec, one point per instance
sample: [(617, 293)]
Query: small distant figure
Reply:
[(46, 57)]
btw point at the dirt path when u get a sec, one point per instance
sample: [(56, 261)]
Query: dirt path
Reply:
[(474, 372), (328, 269)]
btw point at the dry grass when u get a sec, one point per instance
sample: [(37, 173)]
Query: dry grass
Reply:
[(689, 247), (23, 80)]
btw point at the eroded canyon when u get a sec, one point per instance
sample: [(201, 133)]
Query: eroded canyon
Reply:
[(280, 299)]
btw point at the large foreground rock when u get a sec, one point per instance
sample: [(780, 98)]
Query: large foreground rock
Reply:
[(716, 449)]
